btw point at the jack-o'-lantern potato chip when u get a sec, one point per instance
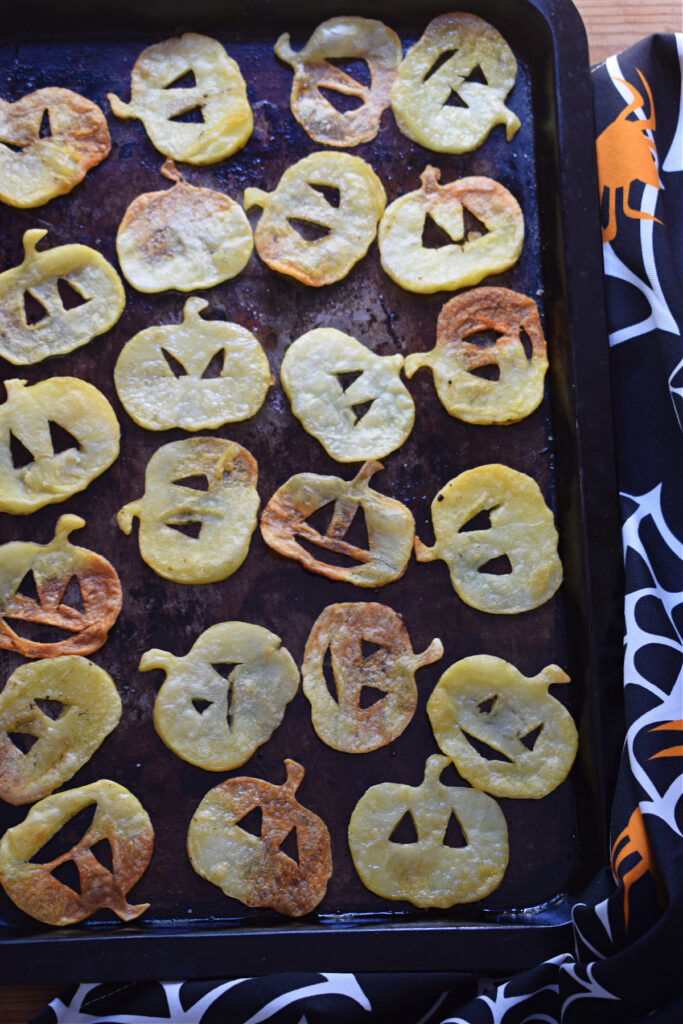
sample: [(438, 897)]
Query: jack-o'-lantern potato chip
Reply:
[(198, 511), (460, 56), (191, 98), (119, 819), (226, 697), (498, 538), (429, 872), (35, 322), (56, 471), (65, 707), (529, 739), (491, 245), (49, 140), (354, 420), (162, 374), (58, 585), (252, 867), (510, 386), (338, 39), (373, 665), (184, 237), (389, 524), (321, 219)]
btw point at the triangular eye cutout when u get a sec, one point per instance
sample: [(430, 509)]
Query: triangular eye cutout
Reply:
[(367, 648), (347, 379), (53, 709), (483, 339), (198, 482), (455, 100), (195, 115), (454, 835), (526, 344), (328, 675), (11, 146), (191, 530), (61, 439), (354, 67), (252, 822), (439, 63), (73, 596), (224, 668), (214, 367), (434, 237), (186, 80), (477, 75), (341, 101), (27, 587), (102, 852), (480, 521), (500, 566), (360, 410), (484, 707), (529, 740), (330, 192), (45, 131), (290, 845), (474, 228), (357, 533), (200, 705), (67, 874), (489, 372), (487, 752), (404, 832), (69, 835), (321, 518), (70, 296), (23, 741), (309, 230), (368, 696), (21, 456), (34, 310), (174, 365)]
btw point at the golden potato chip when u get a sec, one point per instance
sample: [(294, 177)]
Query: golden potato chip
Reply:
[(198, 511), (314, 374), (49, 573), (183, 237), (77, 408), (506, 561), (226, 697), (342, 38), (309, 236), (525, 739), (253, 868), (372, 660), (460, 56), (161, 373), (493, 245), (199, 123), (429, 872), (49, 140), (58, 330), (119, 819), (512, 384), (65, 707)]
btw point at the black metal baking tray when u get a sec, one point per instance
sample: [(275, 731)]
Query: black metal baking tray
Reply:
[(556, 844)]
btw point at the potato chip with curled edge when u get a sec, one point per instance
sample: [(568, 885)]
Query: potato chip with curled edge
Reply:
[(518, 387), (342, 38), (520, 528), (389, 672), (82, 706), (119, 818), (489, 700), (471, 255)]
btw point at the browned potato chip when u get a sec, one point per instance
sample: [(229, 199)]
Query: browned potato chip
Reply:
[(252, 868)]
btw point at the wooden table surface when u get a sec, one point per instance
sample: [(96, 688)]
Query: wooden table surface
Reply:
[(611, 25)]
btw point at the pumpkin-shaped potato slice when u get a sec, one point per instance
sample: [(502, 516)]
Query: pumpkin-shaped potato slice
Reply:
[(429, 872), (184, 237), (252, 868), (371, 657), (25, 338), (531, 737), (65, 707), (226, 697), (48, 572), (77, 408), (498, 538), (350, 399), (511, 386), (49, 140), (491, 246), (360, 39), (457, 54), (119, 819), (321, 219), (191, 98), (198, 511)]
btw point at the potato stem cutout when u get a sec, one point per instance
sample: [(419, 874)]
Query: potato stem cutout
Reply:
[(50, 568), (521, 529), (312, 374), (85, 708), (36, 168), (493, 246), (184, 237), (458, 357), (457, 54), (428, 873), (253, 869), (342, 38), (80, 410), (217, 96), (217, 721), (158, 396), (119, 818), (347, 228), (389, 673), (531, 736), (60, 330), (174, 505)]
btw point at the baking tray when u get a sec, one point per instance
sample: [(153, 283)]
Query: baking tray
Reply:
[(556, 844)]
